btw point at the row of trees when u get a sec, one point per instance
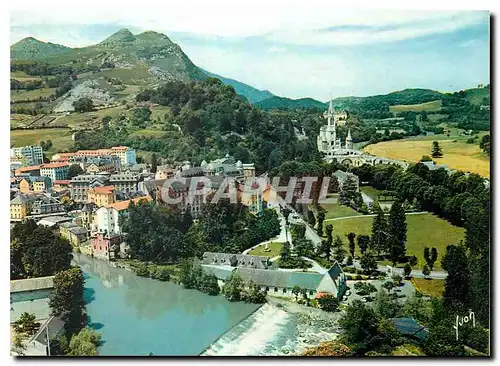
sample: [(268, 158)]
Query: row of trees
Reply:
[(462, 199)]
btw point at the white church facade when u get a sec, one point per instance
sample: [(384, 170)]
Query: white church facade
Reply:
[(332, 147)]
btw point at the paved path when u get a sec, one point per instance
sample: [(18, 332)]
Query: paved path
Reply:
[(372, 215)]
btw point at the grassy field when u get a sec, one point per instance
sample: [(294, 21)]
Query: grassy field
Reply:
[(31, 94), (433, 106), (425, 230), (148, 133), (275, 250), (334, 210), (429, 287), (457, 155), (60, 137), (17, 120), (476, 95), (22, 76), (81, 119)]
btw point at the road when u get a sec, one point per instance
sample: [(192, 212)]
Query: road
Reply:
[(440, 275), (372, 215)]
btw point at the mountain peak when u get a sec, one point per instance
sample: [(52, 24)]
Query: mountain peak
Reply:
[(31, 48), (124, 35)]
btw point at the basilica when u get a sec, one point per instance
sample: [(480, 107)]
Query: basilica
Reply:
[(332, 147)]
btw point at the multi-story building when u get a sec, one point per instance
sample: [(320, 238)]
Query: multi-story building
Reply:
[(107, 219), (55, 171), (80, 185), (126, 154), (33, 170), (164, 172), (29, 155), (101, 196), (20, 207), (87, 215), (251, 196), (35, 184), (125, 182), (75, 234), (103, 245), (42, 204)]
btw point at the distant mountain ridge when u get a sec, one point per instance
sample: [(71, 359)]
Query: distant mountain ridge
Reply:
[(252, 94), (276, 102)]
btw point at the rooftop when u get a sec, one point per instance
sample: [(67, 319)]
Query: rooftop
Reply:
[(123, 205), (31, 284)]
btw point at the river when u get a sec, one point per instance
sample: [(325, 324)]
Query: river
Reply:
[(139, 316)]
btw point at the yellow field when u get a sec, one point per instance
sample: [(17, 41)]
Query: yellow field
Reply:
[(433, 106), (457, 155)]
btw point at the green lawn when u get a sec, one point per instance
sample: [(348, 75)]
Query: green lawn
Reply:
[(334, 210), (60, 137), (275, 250), (429, 287), (373, 193), (423, 230), (31, 94), (148, 133)]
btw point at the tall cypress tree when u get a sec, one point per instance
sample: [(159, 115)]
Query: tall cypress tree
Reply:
[(321, 218), (378, 240), (339, 251), (396, 228), (456, 287)]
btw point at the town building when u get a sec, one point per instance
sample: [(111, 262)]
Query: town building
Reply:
[(107, 219), (53, 221), (55, 171), (281, 283), (28, 155), (164, 172), (126, 154), (75, 234), (80, 185), (43, 204), (251, 196), (35, 184), (103, 245), (20, 207), (87, 215), (236, 260), (125, 182), (102, 196), (33, 170)]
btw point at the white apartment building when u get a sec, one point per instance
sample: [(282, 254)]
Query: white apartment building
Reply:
[(29, 155), (55, 171)]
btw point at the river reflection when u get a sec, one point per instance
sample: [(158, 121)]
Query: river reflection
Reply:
[(139, 315)]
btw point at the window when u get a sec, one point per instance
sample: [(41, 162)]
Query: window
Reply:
[(284, 290), (311, 292), (267, 289), (275, 289)]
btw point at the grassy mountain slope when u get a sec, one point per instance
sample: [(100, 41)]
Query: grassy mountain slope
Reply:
[(31, 49), (276, 102), (252, 94)]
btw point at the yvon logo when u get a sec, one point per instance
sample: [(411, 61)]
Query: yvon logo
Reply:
[(464, 320)]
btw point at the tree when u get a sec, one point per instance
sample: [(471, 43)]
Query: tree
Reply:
[(233, 288), (359, 323), (66, 300), (185, 273), (456, 287), (83, 105), (368, 263), (208, 284), (413, 261), (18, 346), (485, 143), (74, 170), (397, 232), (154, 163), (378, 240), (142, 270), (286, 252), (296, 291), (386, 305), (254, 294), (328, 302), (426, 271), (352, 244), (311, 220), (339, 252), (321, 219), (363, 243), (329, 240), (349, 191), (26, 324), (436, 150), (397, 279), (407, 269), (425, 158), (303, 247), (388, 285), (84, 343), (433, 257)]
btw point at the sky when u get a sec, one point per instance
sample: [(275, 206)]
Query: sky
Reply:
[(306, 49)]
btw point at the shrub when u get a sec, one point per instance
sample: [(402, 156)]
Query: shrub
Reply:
[(161, 273), (142, 270), (359, 277), (358, 285)]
